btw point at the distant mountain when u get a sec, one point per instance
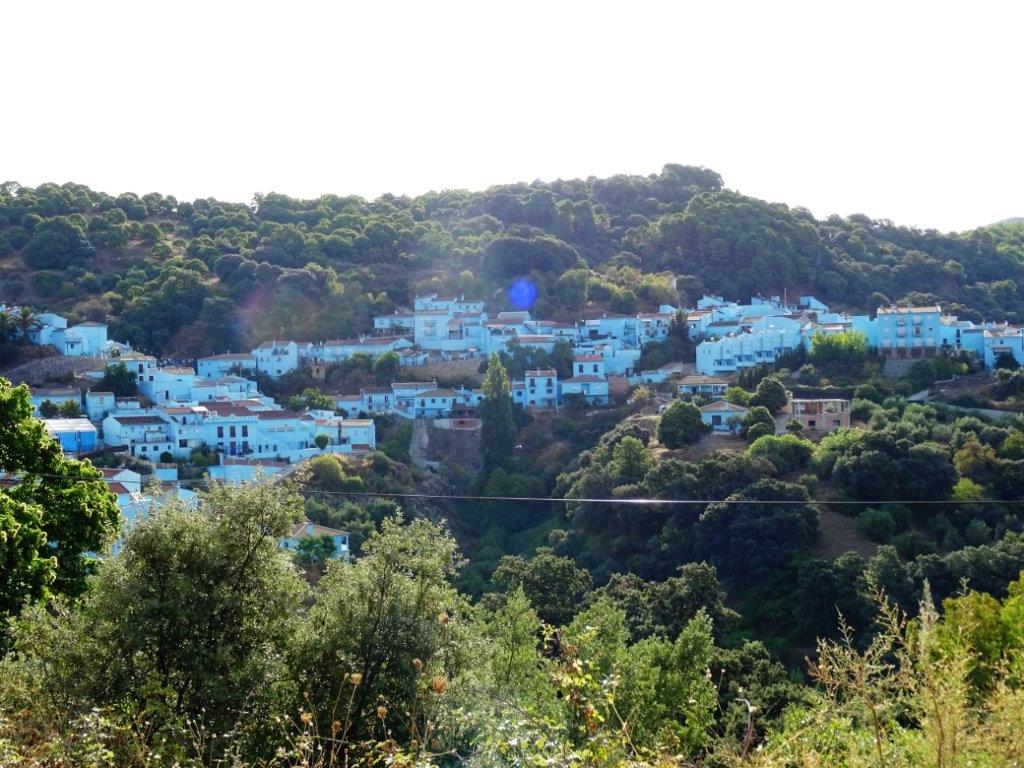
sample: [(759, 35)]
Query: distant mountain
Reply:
[(1011, 220)]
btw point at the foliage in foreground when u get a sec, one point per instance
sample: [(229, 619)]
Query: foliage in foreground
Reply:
[(200, 645)]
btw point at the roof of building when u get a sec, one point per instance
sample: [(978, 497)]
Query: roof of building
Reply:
[(588, 359), (178, 370), (542, 372), (138, 420), (90, 324), (536, 337), (696, 379), (588, 379), (68, 425), (440, 393), (722, 405), (178, 410), (229, 460), (818, 400), (356, 422), (306, 529), (908, 310), (55, 392), (98, 393), (276, 415), (368, 341), (117, 488), (413, 384), (227, 356), (272, 344)]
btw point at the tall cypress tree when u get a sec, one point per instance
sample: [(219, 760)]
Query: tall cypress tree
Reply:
[(498, 430)]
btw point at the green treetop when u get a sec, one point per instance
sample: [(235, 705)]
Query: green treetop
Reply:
[(498, 430), (57, 514)]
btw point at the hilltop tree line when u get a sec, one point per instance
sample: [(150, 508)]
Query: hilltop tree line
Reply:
[(202, 276)]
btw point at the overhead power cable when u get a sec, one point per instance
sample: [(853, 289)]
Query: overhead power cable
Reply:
[(555, 499)]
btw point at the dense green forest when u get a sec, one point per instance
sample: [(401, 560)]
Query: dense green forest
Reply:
[(190, 278)]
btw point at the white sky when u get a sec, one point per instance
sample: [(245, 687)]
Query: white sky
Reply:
[(904, 110)]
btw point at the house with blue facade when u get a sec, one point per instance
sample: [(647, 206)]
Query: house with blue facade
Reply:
[(87, 339), (595, 390), (99, 404), (276, 358), (74, 435), (908, 332), (49, 329), (56, 395), (744, 350), (216, 366), (1007, 340), (722, 416), (707, 387), (308, 530)]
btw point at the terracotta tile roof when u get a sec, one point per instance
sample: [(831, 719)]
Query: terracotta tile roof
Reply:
[(698, 379), (722, 405), (276, 415), (138, 420), (228, 356)]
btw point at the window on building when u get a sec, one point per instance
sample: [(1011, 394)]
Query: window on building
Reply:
[(220, 431)]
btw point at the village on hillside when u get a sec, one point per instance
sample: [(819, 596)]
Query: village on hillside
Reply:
[(216, 408)]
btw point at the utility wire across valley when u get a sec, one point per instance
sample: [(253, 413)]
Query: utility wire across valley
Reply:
[(555, 499)]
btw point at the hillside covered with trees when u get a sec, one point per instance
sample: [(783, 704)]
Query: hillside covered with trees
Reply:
[(598, 587), (186, 278)]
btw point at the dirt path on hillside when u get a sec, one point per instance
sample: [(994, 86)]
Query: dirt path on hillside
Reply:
[(419, 443), (839, 534)]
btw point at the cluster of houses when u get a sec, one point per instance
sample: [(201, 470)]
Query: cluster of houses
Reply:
[(441, 328), (708, 393), (88, 339), (217, 405), (737, 336), (185, 412)]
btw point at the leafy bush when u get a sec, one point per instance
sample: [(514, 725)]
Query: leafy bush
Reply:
[(876, 524), (681, 425), (785, 452)]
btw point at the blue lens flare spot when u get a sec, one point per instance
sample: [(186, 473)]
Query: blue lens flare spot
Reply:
[(522, 294)]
